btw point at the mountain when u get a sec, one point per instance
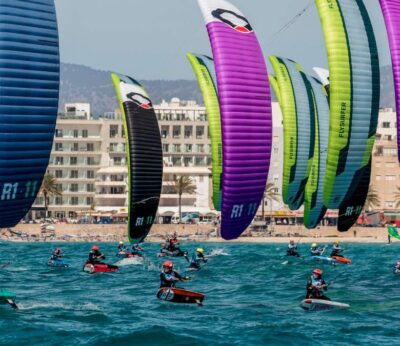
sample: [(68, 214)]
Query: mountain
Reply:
[(84, 84)]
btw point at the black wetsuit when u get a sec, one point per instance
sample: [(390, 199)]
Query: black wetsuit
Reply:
[(169, 279), (94, 257), (56, 256), (197, 258), (292, 251), (336, 251), (313, 292)]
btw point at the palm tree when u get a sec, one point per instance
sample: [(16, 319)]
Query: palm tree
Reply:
[(397, 197), (372, 199), (49, 188), (270, 195), (183, 184)]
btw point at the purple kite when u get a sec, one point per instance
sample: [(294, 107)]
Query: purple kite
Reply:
[(246, 117), (391, 12)]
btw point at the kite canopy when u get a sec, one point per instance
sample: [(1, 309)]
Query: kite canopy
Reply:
[(354, 95), (203, 67), (144, 153), (391, 13), (246, 120), (29, 89)]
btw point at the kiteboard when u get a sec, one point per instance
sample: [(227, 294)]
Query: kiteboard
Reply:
[(57, 264), (180, 295), (7, 297), (322, 259), (322, 305), (176, 253), (342, 260), (99, 268)]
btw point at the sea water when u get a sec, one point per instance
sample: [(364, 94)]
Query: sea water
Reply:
[(252, 298)]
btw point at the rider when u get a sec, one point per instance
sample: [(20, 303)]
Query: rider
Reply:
[(315, 250), (136, 249), (170, 277), (336, 250), (396, 268), (56, 255), (95, 255), (121, 247), (292, 249), (163, 248), (316, 285), (197, 258)]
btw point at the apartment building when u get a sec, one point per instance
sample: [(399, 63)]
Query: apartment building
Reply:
[(385, 179)]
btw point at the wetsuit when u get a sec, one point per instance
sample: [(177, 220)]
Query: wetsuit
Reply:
[(316, 251), (121, 248), (336, 251), (94, 257), (169, 279), (316, 293), (56, 256), (396, 270), (292, 250), (196, 260), (136, 250)]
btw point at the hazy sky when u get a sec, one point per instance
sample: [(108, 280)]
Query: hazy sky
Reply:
[(148, 39)]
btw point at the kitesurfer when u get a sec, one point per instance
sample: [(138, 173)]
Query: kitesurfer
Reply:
[(136, 249), (292, 249), (121, 248), (56, 255), (396, 268), (336, 250), (95, 255), (315, 250), (197, 258), (316, 286), (170, 277)]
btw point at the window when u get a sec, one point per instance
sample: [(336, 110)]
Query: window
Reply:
[(75, 147), (59, 133), (390, 177), (85, 133), (122, 131), (200, 148), (76, 133), (165, 148), (74, 201), (73, 174), (58, 200), (90, 147), (389, 204), (378, 178), (164, 131), (117, 177), (188, 162), (58, 174), (90, 161), (177, 148), (113, 131), (199, 161), (386, 125), (73, 188), (59, 147), (89, 201), (389, 151), (59, 161), (73, 161), (117, 161), (188, 148), (188, 132), (176, 132), (200, 132), (90, 188), (90, 174), (117, 190), (276, 150)]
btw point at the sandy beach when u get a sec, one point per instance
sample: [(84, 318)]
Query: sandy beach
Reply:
[(190, 233)]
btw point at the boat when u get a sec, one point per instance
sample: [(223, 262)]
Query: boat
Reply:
[(342, 260), (7, 297), (99, 268), (180, 295), (57, 264), (322, 305)]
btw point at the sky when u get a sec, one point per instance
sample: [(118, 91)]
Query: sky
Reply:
[(149, 39)]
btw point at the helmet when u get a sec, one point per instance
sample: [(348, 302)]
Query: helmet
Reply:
[(95, 247), (168, 264), (58, 250), (121, 243), (200, 250), (291, 241), (314, 245), (398, 264), (337, 242), (317, 271)]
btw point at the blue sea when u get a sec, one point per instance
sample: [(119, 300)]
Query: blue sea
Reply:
[(252, 298)]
